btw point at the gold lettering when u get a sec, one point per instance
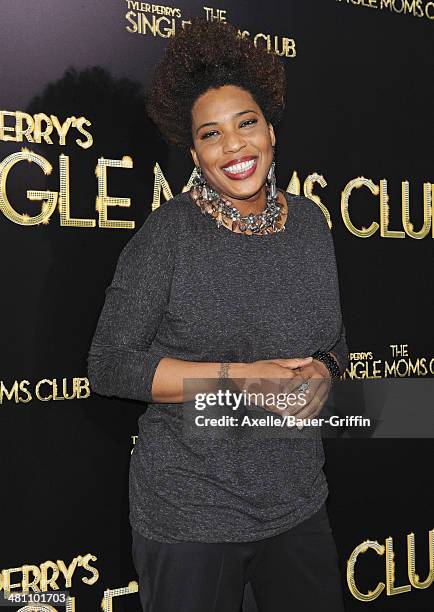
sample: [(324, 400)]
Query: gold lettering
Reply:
[(390, 571), (415, 581), (64, 198), (62, 128), (38, 608), (145, 24), (160, 183), (26, 584), (78, 124), (48, 206), (309, 183), (107, 601), (259, 35), (37, 393), (68, 572), (294, 186), (129, 17), (7, 128), (169, 30), (38, 132), (46, 582), (356, 183), (19, 130), (427, 204), (23, 385), (85, 563), (9, 394), (362, 548), (103, 200), (384, 214), (6, 578), (56, 397), (82, 388)]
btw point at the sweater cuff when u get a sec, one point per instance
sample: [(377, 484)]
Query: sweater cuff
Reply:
[(137, 374), (341, 356), (122, 372), (340, 350)]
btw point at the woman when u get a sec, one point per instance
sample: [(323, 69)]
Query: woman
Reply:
[(231, 280)]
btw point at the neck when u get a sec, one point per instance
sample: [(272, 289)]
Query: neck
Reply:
[(254, 204)]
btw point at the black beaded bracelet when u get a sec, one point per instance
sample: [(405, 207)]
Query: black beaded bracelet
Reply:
[(329, 362)]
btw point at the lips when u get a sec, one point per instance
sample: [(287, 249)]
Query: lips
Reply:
[(241, 167)]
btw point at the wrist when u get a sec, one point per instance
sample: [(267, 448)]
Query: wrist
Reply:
[(239, 370), (329, 362), (324, 371), (230, 371)]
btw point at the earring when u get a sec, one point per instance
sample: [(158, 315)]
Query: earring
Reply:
[(199, 178), (200, 182), (271, 180)]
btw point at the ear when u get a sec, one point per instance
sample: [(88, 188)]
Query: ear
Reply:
[(194, 156), (272, 134)]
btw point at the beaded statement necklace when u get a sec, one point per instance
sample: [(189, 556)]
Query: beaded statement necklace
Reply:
[(269, 221)]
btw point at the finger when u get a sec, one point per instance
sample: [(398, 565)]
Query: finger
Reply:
[(312, 412), (322, 389), (310, 374), (318, 394), (295, 362), (291, 385), (313, 409), (316, 369), (294, 403), (309, 394), (316, 379)]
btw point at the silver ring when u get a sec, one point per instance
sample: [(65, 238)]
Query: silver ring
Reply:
[(304, 386)]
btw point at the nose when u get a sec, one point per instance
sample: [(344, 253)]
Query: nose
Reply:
[(233, 142)]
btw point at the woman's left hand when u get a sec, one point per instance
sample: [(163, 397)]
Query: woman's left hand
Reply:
[(318, 376)]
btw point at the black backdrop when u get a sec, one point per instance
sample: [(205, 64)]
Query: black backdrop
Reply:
[(360, 99)]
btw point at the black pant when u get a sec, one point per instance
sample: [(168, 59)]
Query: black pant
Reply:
[(294, 571)]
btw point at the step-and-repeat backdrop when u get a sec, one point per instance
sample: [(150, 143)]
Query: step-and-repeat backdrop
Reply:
[(81, 167)]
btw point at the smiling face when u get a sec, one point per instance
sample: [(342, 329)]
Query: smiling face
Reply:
[(232, 142)]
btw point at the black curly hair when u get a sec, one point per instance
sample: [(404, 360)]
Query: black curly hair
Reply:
[(207, 55)]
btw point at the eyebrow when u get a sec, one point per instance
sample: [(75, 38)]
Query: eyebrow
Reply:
[(249, 110)]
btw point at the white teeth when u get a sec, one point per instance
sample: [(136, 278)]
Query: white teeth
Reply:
[(242, 167)]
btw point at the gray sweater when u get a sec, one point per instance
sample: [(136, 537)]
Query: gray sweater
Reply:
[(187, 289)]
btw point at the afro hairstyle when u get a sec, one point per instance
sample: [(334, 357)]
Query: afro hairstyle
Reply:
[(207, 55)]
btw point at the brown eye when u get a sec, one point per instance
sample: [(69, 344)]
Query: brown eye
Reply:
[(208, 134), (248, 122)]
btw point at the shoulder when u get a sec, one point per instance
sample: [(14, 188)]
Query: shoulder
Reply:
[(307, 212), (168, 212), (161, 223), (157, 235)]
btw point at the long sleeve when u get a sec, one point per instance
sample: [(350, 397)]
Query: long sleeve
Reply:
[(340, 349), (120, 361)]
